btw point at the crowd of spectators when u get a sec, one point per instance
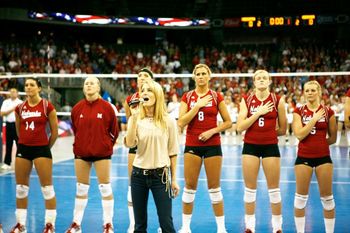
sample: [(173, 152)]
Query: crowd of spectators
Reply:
[(46, 55)]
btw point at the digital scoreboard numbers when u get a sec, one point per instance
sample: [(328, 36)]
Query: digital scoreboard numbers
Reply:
[(278, 21)]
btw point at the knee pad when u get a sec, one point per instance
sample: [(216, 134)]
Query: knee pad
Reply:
[(129, 195), (249, 195), (22, 191), (105, 190), (188, 195), (215, 195), (300, 201), (275, 195), (82, 189), (328, 202), (48, 192)]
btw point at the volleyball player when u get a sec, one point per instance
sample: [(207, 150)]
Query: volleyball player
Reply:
[(34, 147), (262, 115), (96, 130), (198, 110), (312, 122)]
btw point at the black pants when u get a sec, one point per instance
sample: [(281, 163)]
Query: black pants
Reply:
[(11, 136), (141, 183)]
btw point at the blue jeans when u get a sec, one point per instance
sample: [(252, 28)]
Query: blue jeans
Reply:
[(141, 183)]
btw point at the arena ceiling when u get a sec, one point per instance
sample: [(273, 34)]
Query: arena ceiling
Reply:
[(184, 8)]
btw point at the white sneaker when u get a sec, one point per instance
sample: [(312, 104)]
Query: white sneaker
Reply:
[(108, 228), (184, 231), (224, 231), (5, 167), (74, 228), (19, 228)]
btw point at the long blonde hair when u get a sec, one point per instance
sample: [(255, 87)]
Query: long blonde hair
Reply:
[(160, 111)]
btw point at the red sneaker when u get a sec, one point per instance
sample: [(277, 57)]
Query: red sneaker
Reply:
[(108, 228), (74, 228), (49, 228), (19, 228)]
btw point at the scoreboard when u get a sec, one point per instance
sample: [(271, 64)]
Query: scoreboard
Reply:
[(278, 21)]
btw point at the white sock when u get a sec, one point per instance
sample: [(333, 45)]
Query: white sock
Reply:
[(348, 137), (250, 222), (50, 216), (79, 208), (338, 137), (186, 221), (276, 222), (108, 211), (329, 224), (299, 224), (21, 216), (220, 222), (131, 217)]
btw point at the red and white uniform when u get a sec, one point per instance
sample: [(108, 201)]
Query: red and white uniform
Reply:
[(132, 98), (205, 119), (33, 120), (315, 144), (95, 128), (348, 93), (263, 130)]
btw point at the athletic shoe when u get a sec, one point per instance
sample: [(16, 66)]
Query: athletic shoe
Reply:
[(108, 228), (49, 228), (279, 231), (74, 228), (19, 228), (248, 231), (5, 167), (224, 231), (184, 231)]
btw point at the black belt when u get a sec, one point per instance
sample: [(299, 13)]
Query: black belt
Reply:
[(147, 172)]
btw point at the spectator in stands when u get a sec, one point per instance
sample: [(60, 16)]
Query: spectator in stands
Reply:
[(8, 111), (315, 126), (93, 146)]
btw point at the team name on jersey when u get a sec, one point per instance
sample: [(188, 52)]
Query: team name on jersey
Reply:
[(306, 119), (253, 109), (210, 104), (29, 114)]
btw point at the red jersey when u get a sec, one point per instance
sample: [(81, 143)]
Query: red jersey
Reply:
[(348, 93), (133, 98), (263, 130), (205, 119), (315, 144), (95, 128), (33, 121)]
